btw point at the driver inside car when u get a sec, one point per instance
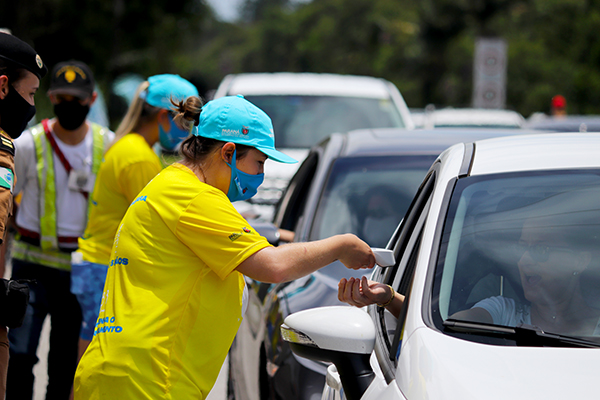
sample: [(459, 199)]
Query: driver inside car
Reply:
[(552, 257)]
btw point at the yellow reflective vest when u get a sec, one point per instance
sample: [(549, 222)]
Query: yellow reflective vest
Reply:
[(48, 253)]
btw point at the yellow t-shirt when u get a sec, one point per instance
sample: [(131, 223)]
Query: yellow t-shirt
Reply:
[(172, 300), (127, 167)]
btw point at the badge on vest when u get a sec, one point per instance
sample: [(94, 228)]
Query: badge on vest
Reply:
[(81, 180), (7, 145), (7, 178)]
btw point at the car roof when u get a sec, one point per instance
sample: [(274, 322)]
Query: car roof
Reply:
[(304, 83), (544, 151), (569, 123), (476, 116), (383, 141), (467, 117)]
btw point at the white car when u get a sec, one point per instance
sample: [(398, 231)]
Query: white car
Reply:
[(429, 118), (499, 260), (305, 109)]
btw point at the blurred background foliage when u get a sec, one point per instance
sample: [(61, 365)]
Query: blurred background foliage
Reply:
[(424, 46)]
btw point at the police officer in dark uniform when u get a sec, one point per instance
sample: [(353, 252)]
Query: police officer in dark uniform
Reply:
[(21, 69)]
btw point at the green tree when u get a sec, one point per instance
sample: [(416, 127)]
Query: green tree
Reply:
[(424, 46), (113, 37)]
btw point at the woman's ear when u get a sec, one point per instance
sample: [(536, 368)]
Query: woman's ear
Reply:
[(227, 152)]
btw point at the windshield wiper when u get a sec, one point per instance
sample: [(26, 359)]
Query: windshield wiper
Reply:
[(523, 334)]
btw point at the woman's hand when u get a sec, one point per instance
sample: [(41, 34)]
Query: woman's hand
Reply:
[(356, 254), (363, 292)]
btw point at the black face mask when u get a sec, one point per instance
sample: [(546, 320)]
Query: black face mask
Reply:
[(15, 113), (71, 114)]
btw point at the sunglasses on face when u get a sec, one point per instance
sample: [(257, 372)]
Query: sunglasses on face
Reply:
[(539, 252)]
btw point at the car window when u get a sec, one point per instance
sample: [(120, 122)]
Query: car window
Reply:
[(303, 121), (405, 244), (522, 248), (291, 205), (406, 248), (367, 196)]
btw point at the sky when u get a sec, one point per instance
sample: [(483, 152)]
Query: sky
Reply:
[(226, 10)]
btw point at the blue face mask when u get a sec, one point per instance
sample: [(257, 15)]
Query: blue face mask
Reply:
[(242, 186), (169, 140)]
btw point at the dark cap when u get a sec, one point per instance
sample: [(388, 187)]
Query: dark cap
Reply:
[(21, 54), (72, 77)]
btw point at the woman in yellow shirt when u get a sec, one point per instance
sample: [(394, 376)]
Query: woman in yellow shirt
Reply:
[(175, 292), (129, 164)]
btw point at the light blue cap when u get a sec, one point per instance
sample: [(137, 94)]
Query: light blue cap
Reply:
[(234, 119), (165, 87)]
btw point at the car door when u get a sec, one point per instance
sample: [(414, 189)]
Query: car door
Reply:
[(405, 244)]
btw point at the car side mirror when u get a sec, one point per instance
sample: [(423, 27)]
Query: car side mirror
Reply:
[(344, 336), (267, 230)]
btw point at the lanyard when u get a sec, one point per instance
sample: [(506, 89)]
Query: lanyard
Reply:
[(59, 153)]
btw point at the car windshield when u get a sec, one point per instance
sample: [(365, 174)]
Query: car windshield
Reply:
[(522, 249), (303, 121), (367, 196)]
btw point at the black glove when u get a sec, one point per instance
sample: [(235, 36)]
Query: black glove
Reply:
[(14, 299)]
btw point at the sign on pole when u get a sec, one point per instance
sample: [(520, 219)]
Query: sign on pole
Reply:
[(489, 73)]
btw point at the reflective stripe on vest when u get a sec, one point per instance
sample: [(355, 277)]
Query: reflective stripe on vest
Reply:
[(47, 196), (33, 254)]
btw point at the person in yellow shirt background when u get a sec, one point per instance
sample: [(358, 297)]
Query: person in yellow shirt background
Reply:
[(129, 164), (175, 292)]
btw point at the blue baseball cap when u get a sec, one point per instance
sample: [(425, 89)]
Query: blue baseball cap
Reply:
[(234, 119), (165, 87)]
